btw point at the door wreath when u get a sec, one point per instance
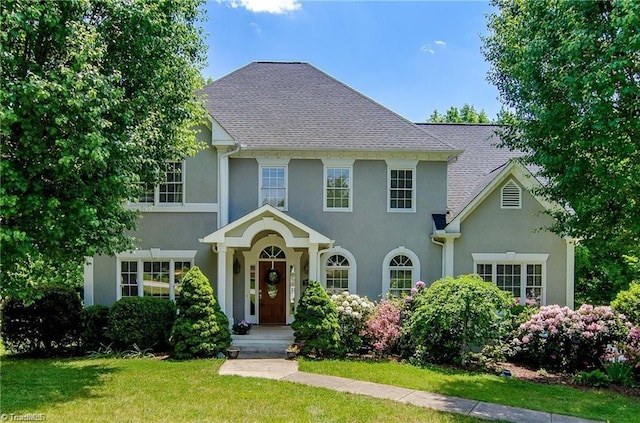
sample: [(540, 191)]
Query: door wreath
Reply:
[(273, 277)]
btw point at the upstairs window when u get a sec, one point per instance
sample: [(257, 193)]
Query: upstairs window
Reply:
[(401, 183), (338, 186), (169, 191), (511, 196), (273, 186)]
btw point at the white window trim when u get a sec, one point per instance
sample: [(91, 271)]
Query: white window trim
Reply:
[(353, 268), (337, 164), (511, 257), (157, 205), (153, 254), (402, 165), (386, 268), (509, 182), (275, 162)]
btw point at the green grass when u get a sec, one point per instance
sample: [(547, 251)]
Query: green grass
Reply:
[(149, 390), (592, 404)]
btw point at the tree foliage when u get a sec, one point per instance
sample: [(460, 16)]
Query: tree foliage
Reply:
[(96, 95), (201, 328), (466, 114), (569, 72)]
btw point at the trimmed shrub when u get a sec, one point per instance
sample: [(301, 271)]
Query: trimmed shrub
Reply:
[(628, 303), (201, 328), (95, 322), (384, 328), (561, 338), (353, 313), (143, 321), (453, 316), (316, 326), (48, 326)]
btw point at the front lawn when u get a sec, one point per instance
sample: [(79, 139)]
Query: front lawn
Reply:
[(148, 390), (591, 404)]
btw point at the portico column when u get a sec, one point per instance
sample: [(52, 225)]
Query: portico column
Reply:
[(222, 278), (313, 262), (448, 264), (571, 248), (229, 285)]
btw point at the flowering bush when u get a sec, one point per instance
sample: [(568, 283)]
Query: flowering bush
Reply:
[(384, 327), (353, 313), (241, 328), (562, 338)]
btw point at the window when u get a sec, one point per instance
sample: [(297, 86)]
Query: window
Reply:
[(273, 186), (170, 191), (401, 185), (511, 196), (338, 185), (521, 274), (152, 273), (337, 274), (338, 189), (401, 269)]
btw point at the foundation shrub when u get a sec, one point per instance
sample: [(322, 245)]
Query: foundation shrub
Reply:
[(201, 328), (455, 316), (141, 321), (95, 322), (353, 313), (384, 329), (316, 326), (46, 326)]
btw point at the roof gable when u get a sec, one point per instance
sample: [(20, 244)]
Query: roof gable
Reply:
[(292, 105)]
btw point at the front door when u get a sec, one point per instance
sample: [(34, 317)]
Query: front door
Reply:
[(273, 292)]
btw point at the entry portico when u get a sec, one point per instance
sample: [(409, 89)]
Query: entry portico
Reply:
[(278, 253)]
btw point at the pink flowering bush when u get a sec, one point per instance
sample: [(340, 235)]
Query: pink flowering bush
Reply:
[(384, 327), (558, 337)]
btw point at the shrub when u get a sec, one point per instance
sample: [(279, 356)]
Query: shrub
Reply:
[(201, 328), (628, 303), (143, 321), (316, 326), (558, 337), (95, 321), (353, 313), (384, 327), (47, 326), (454, 315)]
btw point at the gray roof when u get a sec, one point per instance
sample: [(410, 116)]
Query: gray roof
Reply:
[(291, 105), (477, 166)]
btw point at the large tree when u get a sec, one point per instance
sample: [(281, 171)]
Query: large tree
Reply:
[(466, 114), (569, 72), (96, 96)]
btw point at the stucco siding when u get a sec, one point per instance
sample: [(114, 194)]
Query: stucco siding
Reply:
[(201, 177), (369, 232), (490, 229)]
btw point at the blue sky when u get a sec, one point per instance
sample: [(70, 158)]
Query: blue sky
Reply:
[(410, 56)]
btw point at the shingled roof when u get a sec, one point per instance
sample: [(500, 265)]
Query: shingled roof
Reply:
[(476, 167), (292, 105)]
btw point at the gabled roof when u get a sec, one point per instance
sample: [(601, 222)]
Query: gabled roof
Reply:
[(292, 105), (477, 166)]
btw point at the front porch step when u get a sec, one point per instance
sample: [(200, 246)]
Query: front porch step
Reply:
[(264, 339)]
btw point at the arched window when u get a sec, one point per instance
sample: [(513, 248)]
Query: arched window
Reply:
[(339, 271), (272, 252), (401, 269)]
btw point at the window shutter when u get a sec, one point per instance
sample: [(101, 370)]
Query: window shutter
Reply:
[(511, 196)]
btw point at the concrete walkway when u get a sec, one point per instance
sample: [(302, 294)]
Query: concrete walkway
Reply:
[(287, 370)]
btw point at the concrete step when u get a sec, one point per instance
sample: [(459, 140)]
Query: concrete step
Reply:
[(264, 339)]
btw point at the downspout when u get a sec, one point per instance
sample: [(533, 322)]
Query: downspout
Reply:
[(441, 244), (223, 186)]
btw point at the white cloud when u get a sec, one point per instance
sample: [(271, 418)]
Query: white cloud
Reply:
[(427, 49), (256, 28), (440, 43), (267, 6)]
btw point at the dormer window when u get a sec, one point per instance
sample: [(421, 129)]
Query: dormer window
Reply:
[(511, 196)]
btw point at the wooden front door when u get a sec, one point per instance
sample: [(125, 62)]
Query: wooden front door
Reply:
[(273, 295)]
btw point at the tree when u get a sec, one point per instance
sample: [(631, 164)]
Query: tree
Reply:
[(466, 114), (97, 96), (569, 72)]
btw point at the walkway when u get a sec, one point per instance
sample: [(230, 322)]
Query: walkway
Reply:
[(281, 369)]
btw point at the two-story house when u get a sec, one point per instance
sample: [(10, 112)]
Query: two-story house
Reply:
[(304, 178)]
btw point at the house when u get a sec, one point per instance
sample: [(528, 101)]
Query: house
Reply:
[(304, 178)]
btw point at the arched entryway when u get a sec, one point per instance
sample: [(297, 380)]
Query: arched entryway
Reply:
[(272, 286)]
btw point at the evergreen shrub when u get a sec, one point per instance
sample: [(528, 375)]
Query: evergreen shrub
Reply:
[(95, 323), (628, 303), (201, 328), (143, 321), (316, 327), (47, 326)]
